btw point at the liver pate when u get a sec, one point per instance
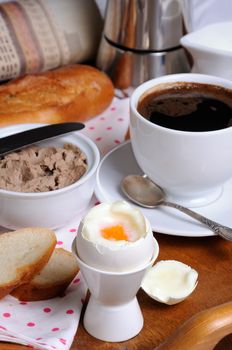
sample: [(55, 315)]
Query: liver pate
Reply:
[(38, 169)]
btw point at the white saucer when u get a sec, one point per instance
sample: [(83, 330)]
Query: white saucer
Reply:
[(121, 162)]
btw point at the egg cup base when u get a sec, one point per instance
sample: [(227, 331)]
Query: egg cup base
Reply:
[(113, 323)]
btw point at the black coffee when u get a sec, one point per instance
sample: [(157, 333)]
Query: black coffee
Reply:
[(188, 107)]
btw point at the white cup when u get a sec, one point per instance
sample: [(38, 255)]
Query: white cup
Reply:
[(190, 166)]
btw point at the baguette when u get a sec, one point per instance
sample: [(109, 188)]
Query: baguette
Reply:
[(52, 280), (71, 93), (23, 253), (127, 136)]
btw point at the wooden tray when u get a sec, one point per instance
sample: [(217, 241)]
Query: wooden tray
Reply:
[(212, 258)]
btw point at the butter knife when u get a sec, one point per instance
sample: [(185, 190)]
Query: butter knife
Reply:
[(28, 137)]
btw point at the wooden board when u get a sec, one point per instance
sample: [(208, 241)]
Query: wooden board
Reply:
[(211, 257)]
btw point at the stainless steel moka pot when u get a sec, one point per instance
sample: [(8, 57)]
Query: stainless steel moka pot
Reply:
[(141, 40)]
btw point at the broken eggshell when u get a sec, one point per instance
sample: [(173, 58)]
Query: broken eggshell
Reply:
[(170, 281)]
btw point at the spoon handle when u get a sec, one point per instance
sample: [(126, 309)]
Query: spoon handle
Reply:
[(225, 232)]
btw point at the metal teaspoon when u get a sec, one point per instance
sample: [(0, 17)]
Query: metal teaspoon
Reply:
[(142, 191)]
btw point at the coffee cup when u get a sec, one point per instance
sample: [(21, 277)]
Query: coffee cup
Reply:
[(181, 135)]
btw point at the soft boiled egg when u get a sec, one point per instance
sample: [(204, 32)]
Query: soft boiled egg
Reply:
[(170, 281), (116, 237)]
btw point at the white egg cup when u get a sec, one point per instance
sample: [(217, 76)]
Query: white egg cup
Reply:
[(113, 313)]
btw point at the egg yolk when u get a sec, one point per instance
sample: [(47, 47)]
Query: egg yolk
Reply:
[(116, 233)]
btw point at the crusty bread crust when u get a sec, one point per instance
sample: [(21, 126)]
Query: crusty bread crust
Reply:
[(36, 289), (25, 272), (127, 136), (29, 292), (71, 93)]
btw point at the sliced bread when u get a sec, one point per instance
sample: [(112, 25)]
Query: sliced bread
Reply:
[(52, 280), (23, 253)]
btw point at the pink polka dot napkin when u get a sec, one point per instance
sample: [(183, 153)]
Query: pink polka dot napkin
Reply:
[(108, 130), (52, 324), (48, 324)]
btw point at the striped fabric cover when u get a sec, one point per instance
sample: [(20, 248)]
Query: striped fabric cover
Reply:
[(30, 40)]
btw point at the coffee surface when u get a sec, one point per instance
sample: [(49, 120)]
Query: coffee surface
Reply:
[(190, 107)]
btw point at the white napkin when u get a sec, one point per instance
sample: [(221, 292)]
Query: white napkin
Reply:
[(52, 324)]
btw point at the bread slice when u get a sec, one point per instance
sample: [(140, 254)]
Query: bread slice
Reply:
[(52, 280), (23, 253)]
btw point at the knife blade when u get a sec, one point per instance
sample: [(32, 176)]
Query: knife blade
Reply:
[(28, 137)]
